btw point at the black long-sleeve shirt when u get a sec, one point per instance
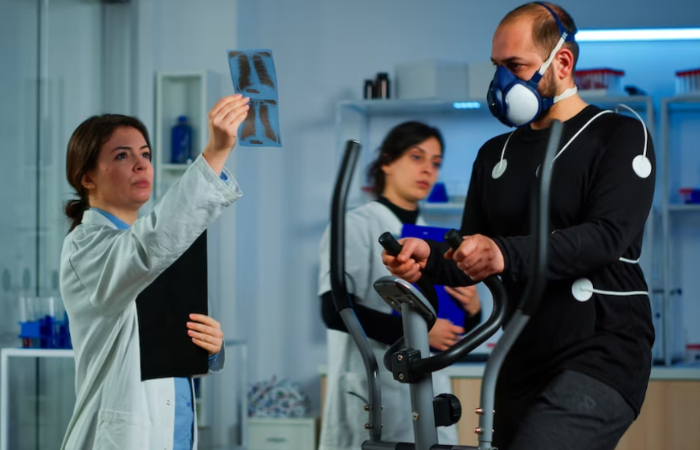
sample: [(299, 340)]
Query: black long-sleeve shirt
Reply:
[(598, 209), (382, 327)]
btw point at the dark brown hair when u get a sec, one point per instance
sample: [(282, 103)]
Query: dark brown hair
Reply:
[(401, 138), (545, 32), (83, 149)]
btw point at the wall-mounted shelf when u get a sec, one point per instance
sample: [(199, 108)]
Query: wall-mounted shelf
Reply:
[(442, 208), (393, 107), (687, 102), (175, 167), (191, 94), (691, 207), (399, 107)]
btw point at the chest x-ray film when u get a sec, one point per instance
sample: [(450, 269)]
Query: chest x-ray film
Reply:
[(253, 75)]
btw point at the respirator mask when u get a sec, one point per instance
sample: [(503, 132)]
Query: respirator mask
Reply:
[(517, 102)]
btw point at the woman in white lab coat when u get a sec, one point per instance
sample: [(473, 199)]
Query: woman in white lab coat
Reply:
[(403, 174), (110, 256)]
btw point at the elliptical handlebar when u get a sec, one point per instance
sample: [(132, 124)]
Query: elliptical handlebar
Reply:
[(533, 293), (472, 340), (339, 292)]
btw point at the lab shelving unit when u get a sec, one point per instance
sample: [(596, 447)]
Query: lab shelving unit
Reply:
[(365, 111), (670, 211), (180, 93)]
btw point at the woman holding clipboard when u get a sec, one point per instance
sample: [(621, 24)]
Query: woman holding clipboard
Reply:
[(110, 256)]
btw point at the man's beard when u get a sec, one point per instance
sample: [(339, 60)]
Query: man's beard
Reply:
[(547, 88)]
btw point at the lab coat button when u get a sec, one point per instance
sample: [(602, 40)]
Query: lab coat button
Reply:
[(168, 402)]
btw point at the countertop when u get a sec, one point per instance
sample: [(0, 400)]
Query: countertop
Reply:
[(658, 373)]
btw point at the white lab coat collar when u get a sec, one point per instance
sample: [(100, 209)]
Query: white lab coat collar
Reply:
[(92, 217)]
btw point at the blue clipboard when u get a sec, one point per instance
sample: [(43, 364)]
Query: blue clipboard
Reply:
[(448, 307)]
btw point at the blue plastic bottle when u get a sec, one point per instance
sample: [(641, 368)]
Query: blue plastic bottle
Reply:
[(181, 142)]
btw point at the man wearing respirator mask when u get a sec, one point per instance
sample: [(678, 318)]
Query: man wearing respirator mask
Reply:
[(576, 377)]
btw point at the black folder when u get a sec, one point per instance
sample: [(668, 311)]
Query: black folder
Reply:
[(163, 310)]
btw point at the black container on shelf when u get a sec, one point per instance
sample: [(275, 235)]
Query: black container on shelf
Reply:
[(383, 88), (368, 92)]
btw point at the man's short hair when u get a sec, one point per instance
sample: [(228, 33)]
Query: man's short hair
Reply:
[(545, 32)]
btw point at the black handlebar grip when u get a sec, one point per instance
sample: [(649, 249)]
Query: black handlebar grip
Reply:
[(390, 244), (453, 238)]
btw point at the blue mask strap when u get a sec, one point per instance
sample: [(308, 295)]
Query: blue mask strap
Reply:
[(535, 80), (547, 102), (562, 30)]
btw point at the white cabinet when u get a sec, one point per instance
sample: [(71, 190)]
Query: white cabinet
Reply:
[(678, 160), (282, 434)]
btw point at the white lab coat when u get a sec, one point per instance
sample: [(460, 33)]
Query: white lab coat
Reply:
[(344, 416), (102, 272)]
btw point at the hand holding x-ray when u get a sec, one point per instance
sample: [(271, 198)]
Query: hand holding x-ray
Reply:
[(225, 119), (253, 74)]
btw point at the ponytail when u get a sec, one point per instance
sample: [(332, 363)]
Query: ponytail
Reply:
[(74, 210)]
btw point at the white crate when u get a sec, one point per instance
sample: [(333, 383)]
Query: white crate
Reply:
[(282, 434), (688, 82), (436, 79), (600, 82)]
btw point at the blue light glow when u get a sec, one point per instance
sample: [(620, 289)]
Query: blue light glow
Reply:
[(466, 105), (650, 34)]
